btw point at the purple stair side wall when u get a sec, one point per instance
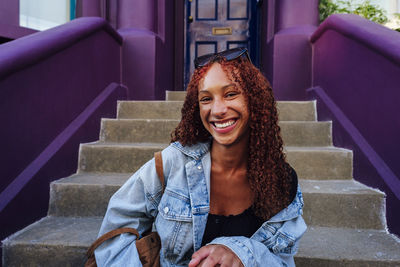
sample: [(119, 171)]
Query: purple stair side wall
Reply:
[(55, 86), (356, 64)]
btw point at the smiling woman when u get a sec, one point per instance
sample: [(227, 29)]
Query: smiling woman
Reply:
[(231, 199)]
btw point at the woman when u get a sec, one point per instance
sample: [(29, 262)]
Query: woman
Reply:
[(230, 198)]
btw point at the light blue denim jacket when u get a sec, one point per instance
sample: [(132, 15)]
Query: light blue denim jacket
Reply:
[(181, 215)]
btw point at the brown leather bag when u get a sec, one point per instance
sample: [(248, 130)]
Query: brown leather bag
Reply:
[(148, 246)]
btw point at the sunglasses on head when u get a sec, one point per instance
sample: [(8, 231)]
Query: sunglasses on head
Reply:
[(229, 55)]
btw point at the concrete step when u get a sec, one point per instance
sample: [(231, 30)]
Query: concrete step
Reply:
[(175, 95), (52, 241), (116, 157), (288, 110), (149, 110), (294, 133), (321, 163), (309, 162), (339, 247), (338, 203), (62, 241), (343, 203), (84, 195)]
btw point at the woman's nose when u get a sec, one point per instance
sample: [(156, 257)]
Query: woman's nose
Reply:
[(218, 108)]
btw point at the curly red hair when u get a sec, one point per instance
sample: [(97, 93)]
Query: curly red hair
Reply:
[(267, 170)]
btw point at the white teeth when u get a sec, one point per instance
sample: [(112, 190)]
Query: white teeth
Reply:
[(224, 125)]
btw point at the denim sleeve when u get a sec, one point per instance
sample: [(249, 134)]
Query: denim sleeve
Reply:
[(133, 205), (274, 244)]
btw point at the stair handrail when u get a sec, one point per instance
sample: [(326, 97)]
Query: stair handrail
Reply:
[(381, 39), (32, 48)]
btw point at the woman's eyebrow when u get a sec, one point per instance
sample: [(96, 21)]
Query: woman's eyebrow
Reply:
[(229, 85), (223, 88)]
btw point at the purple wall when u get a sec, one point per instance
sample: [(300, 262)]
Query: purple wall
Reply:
[(9, 21), (356, 64), (178, 47), (286, 51), (147, 27), (296, 13), (54, 88), (9, 12), (148, 49), (139, 14), (267, 35), (89, 8)]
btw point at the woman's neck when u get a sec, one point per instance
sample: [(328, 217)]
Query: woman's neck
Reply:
[(230, 191), (231, 157)]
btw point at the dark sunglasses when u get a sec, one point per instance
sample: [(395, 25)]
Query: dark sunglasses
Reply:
[(229, 55)]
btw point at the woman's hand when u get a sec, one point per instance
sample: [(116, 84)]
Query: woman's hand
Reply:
[(215, 255)]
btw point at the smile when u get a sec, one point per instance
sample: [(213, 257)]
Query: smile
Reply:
[(225, 126)]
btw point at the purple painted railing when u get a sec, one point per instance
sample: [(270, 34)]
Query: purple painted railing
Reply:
[(356, 79), (54, 88)]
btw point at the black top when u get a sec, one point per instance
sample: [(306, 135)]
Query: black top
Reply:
[(244, 224)]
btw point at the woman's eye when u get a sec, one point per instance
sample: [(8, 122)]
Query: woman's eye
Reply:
[(205, 99), (231, 94)]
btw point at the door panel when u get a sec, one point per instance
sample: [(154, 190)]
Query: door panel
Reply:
[(206, 10), (234, 44), (203, 48), (237, 11), (214, 26)]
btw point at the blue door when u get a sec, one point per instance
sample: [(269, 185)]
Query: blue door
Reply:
[(217, 25)]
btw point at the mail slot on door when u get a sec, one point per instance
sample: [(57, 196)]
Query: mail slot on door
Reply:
[(222, 30)]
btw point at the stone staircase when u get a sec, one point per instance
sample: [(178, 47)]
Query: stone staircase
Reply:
[(347, 224)]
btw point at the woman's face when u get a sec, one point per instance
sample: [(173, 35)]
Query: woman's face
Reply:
[(223, 108)]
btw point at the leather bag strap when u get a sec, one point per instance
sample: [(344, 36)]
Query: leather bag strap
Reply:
[(159, 168), (110, 235)]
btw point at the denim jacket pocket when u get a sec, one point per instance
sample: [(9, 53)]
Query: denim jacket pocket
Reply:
[(174, 225)]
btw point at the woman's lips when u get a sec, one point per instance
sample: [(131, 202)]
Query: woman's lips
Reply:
[(225, 126)]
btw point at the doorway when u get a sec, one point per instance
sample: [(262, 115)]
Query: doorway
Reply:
[(215, 25)]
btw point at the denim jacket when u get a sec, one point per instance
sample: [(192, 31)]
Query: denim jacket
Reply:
[(180, 215)]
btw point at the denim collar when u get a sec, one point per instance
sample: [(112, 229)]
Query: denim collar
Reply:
[(195, 151)]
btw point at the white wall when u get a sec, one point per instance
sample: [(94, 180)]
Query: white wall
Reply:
[(43, 14)]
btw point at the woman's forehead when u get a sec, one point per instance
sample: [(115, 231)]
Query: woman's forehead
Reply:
[(215, 76)]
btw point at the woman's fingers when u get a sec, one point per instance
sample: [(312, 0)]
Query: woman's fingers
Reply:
[(199, 255), (214, 255)]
